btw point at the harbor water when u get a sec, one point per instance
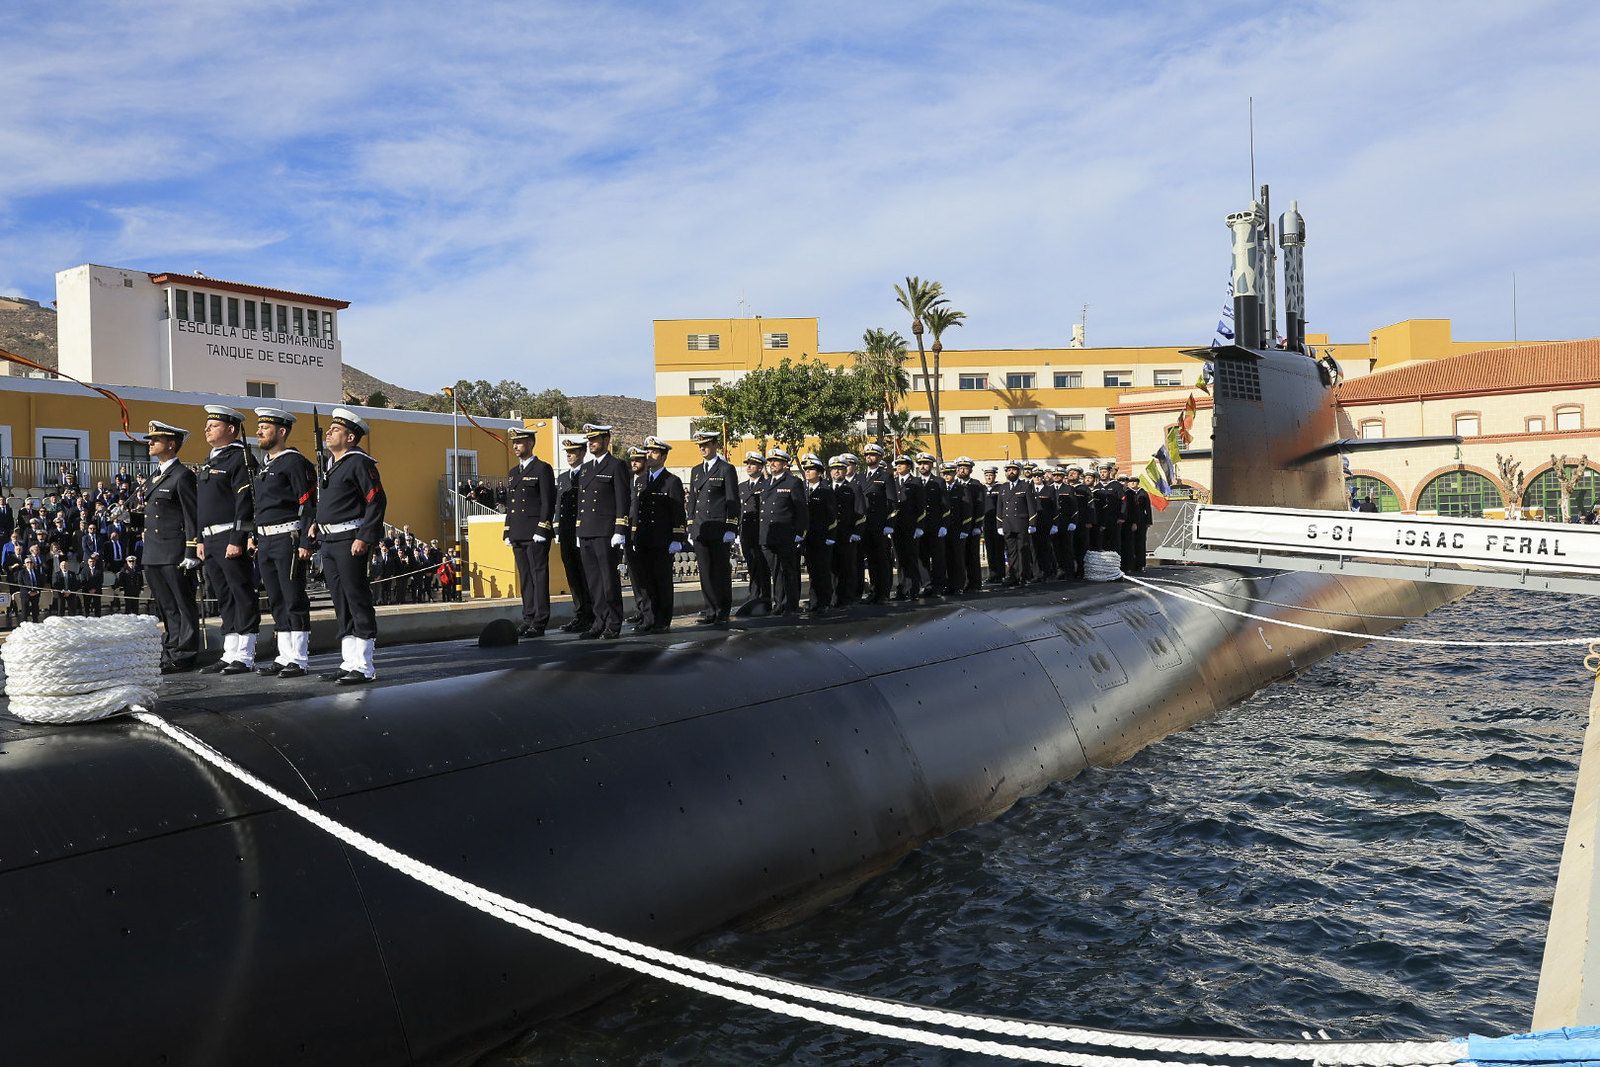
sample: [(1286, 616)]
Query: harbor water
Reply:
[(1369, 849)]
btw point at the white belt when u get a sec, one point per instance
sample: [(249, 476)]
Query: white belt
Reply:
[(338, 527), (221, 527), (277, 528)]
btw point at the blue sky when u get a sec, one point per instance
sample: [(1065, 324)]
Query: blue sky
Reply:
[(518, 189)]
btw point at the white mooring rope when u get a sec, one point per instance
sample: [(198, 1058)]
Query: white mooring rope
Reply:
[(75, 670), (1102, 566)]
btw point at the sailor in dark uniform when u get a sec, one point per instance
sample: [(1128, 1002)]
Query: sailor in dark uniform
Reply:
[(714, 517), (1116, 537), (567, 534), (850, 501), (350, 510), (171, 538), (785, 518), (930, 549), (1139, 518), (530, 523), (882, 492), (759, 598), (994, 542), (1085, 510), (286, 508), (604, 490), (971, 540), (956, 514), (657, 522), (1107, 515), (225, 503), (822, 534), (907, 526), (1018, 513), (1044, 556)]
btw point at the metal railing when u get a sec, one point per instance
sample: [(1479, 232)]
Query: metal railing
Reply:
[(452, 504), (22, 473)]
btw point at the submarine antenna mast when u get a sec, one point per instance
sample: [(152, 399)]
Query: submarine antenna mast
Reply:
[(1292, 236)]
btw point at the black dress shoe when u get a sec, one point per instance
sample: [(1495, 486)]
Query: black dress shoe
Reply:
[(176, 668), (611, 635), (636, 617), (573, 627), (213, 668), (238, 668), (270, 669), (291, 670), (640, 628), (661, 628), (589, 635), (354, 678), (333, 676)]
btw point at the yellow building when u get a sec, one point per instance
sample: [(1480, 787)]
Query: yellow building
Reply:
[(995, 404), (45, 423)]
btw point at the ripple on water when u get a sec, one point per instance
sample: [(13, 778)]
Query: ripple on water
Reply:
[(1369, 848)]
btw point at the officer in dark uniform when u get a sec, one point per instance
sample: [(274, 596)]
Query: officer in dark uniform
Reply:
[(759, 599), (171, 538), (930, 549), (973, 496), (1140, 518), (822, 534), (1085, 510), (714, 519), (604, 491), (226, 508), (955, 537), (1113, 537), (908, 529), (785, 518), (882, 491), (530, 523), (350, 510), (850, 502), (567, 534), (1018, 513), (994, 542), (1107, 515), (286, 508), (1044, 556), (657, 524)]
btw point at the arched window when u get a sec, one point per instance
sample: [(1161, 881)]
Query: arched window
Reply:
[(1457, 494), (1545, 492), (1363, 485), (1371, 428)]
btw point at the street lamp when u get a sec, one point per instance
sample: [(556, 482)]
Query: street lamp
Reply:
[(455, 461)]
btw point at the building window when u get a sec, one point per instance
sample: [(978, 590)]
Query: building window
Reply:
[(1069, 379), (312, 324), (1535, 424), (1458, 494), (283, 319), (925, 425), (1170, 379), (249, 314), (1371, 428), (1569, 419), (702, 386), (705, 342), (1071, 422), (1119, 379), (327, 325), (266, 317), (973, 381), (300, 321), (1022, 423), (1545, 492), (975, 424), (1111, 421), (233, 311), (268, 390), (199, 307), (216, 309), (1362, 486), (1019, 380), (180, 304), (133, 455), (774, 340), (919, 382), (1466, 425)]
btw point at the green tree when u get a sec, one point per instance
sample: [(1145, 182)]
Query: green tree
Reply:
[(881, 360), (789, 403), (919, 297), (903, 433), (939, 319), (377, 399)]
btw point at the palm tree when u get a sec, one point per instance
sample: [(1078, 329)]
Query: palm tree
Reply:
[(919, 297), (882, 361), (902, 431), (938, 320)]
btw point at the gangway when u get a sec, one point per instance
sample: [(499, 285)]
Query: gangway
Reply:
[(1509, 554)]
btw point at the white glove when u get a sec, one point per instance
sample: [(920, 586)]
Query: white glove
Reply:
[(1055, 529), (1033, 529), (798, 539), (917, 532), (188, 564), (1071, 526), (888, 531), (963, 535), (827, 540), (617, 540), (854, 538), (507, 540), (675, 547), (941, 531), (555, 539), (729, 537), (540, 539)]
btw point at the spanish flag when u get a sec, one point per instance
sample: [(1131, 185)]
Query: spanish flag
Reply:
[(1155, 483)]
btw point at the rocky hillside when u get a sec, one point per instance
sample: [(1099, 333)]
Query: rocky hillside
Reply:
[(29, 329)]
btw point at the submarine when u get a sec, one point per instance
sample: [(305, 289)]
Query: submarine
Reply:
[(659, 788)]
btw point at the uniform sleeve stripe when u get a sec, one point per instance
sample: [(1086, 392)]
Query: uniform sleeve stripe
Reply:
[(372, 494), (304, 497)]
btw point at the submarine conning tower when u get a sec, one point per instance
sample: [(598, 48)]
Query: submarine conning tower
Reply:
[(1275, 420)]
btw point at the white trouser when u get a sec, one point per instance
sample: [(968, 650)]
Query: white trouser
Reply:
[(239, 648), (357, 652), (294, 646)]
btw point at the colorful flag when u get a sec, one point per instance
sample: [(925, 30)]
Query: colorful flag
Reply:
[(1186, 421), (1156, 484), (1224, 334), (1169, 470)]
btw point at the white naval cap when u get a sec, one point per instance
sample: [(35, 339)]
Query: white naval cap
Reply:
[(223, 413), (591, 430), (351, 421), (166, 429), (570, 441), (966, 461), (754, 457), (656, 444), (277, 416)]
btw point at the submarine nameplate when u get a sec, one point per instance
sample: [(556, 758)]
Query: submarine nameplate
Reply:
[(1510, 545)]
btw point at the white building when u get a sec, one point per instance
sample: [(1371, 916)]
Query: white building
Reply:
[(188, 332)]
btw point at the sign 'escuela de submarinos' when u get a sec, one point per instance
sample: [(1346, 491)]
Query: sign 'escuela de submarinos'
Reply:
[(1504, 545), (284, 350)]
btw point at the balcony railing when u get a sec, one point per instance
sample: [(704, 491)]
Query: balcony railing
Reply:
[(21, 473)]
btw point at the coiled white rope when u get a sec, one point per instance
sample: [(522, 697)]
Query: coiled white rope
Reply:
[(1542, 642), (1102, 566), (67, 670), (737, 985)]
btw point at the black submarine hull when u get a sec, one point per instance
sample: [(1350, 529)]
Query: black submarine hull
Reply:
[(156, 913)]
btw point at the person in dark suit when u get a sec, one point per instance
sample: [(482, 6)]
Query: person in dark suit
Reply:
[(1044, 556), (759, 599), (1018, 514), (850, 501), (882, 492), (714, 514), (1084, 507), (567, 535), (994, 542), (972, 533), (657, 526), (171, 537), (604, 492), (92, 581), (12, 551), (907, 527), (956, 506), (1141, 517), (28, 581), (530, 524), (65, 585), (822, 521), (8, 518), (129, 584), (785, 518), (930, 549)]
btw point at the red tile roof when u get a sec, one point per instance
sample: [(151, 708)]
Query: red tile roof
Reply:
[(202, 282), (1520, 368)]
